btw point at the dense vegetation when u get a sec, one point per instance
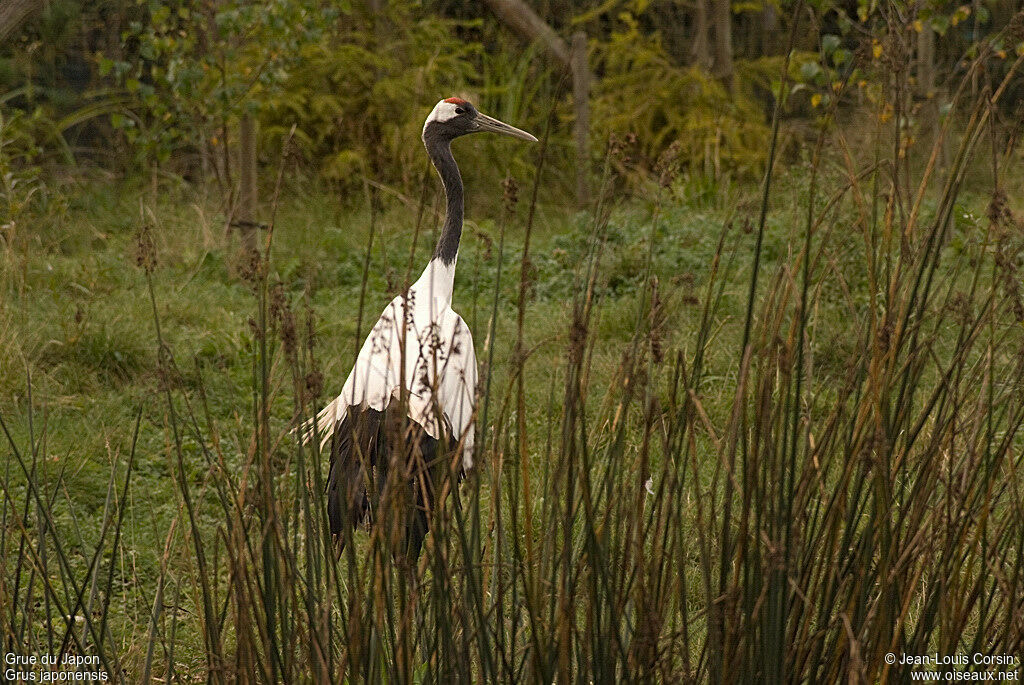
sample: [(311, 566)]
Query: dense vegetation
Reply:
[(751, 405)]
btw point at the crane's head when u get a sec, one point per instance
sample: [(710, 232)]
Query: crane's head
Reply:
[(455, 117)]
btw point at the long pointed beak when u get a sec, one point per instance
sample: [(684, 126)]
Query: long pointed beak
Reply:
[(486, 123)]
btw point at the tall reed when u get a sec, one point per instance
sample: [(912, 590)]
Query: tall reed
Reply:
[(792, 508)]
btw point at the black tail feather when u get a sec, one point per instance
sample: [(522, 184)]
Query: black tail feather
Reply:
[(383, 464)]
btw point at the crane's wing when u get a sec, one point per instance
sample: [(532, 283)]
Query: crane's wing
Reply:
[(425, 348), (457, 388)]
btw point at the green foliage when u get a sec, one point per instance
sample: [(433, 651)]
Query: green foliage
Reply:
[(845, 432), (195, 66), (644, 94), (355, 78), (23, 186), (19, 174), (199, 454), (357, 109)]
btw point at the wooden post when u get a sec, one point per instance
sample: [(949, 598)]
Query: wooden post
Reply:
[(700, 52), (769, 30), (245, 214), (925, 60), (722, 10), (581, 125)]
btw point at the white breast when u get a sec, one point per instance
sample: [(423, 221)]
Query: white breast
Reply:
[(419, 344)]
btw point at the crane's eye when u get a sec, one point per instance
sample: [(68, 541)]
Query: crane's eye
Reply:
[(460, 110)]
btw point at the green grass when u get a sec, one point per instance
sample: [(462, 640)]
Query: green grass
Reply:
[(588, 577)]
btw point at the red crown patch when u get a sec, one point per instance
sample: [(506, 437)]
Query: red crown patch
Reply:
[(456, 101)]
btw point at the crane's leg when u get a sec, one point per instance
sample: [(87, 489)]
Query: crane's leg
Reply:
[(423, 472), (421, 493)]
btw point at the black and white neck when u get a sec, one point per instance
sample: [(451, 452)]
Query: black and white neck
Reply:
[(440, 129), (450, 119), (440, 151)]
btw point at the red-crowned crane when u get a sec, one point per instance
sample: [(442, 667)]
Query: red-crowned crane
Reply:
[(408, 403)]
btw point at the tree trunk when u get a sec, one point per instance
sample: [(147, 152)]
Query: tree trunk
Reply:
[(518, 16), (700, 51), (245, 215), (13, 13), (723, 41)]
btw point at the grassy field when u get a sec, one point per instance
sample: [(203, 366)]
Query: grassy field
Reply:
[(834, 464)]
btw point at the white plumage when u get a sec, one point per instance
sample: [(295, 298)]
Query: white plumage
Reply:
[(439, 361)]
